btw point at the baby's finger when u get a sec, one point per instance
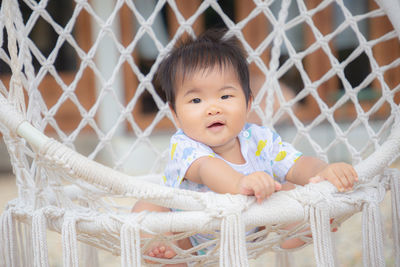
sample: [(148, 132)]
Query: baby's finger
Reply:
[(315, 179), (259, 193), (269, 184), (340, 179), (264, 179), (278, 186), (345, 182), (333, 229), (271, 187), (349, 175), (354, 173), (337, 183)]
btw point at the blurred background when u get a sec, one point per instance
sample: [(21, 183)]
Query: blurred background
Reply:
[(104, 47), (101, 63)]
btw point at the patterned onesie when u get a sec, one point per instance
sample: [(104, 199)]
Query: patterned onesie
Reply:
[(262, 149)]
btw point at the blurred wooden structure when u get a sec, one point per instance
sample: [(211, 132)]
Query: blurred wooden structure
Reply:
[(316, 64)]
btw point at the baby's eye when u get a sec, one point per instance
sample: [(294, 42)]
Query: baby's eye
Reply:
[(225, 96), (196, 100)]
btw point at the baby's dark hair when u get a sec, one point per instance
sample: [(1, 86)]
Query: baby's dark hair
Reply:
[(210, 49)]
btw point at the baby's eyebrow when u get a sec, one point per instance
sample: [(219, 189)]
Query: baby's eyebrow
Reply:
[(228, 87), (192, 91), (196, 90)]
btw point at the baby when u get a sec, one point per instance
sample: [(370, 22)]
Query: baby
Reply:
[(206, 82)]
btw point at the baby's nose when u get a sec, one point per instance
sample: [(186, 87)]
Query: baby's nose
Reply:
[(213, 110)]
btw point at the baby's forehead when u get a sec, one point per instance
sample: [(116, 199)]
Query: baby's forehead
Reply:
[(183, 74)]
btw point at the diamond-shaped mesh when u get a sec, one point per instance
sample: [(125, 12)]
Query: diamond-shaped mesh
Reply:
[(325, 75), (301, 76)]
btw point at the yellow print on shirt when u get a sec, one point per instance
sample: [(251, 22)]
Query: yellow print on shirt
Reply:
[(260, 147), (174, 145), (281, 155)]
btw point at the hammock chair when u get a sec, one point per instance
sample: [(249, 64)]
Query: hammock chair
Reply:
[(87, 198)]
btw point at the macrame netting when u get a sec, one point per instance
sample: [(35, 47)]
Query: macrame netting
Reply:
[(89, 204)]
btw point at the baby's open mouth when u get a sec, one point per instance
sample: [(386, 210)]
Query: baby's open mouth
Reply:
[(215, 124)]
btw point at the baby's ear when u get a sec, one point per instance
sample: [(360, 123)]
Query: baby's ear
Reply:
[(170, 107), (249, 103)]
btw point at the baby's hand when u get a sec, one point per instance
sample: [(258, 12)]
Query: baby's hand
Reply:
[(258, 184), (341, 175)]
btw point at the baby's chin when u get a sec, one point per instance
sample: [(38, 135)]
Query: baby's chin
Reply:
[(223, 145), (216, 140)]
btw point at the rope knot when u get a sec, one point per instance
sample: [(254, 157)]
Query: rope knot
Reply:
[(221, 206), (314, 194), (228, 208)]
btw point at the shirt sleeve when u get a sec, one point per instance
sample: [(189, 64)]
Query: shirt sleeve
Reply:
[(183, 152), (273, 155), (283, 156)]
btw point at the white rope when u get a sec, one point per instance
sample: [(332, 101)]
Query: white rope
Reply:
[(24, 244), (395, 194), (321, 232), (130, 245), (79, 170), (372, 236), (233, 243), (4, 241), (372, 230), (26, 239), (318, 207), (392, 9), (69, 240), (9, 116), (8, 240), (233, 250), (16, 95), (39, 239), (271, 80)]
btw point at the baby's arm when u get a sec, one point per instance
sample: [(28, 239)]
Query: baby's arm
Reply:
[(341, 175), (222, 178)]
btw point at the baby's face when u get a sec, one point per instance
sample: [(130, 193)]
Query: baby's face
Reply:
[(211, 107)]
